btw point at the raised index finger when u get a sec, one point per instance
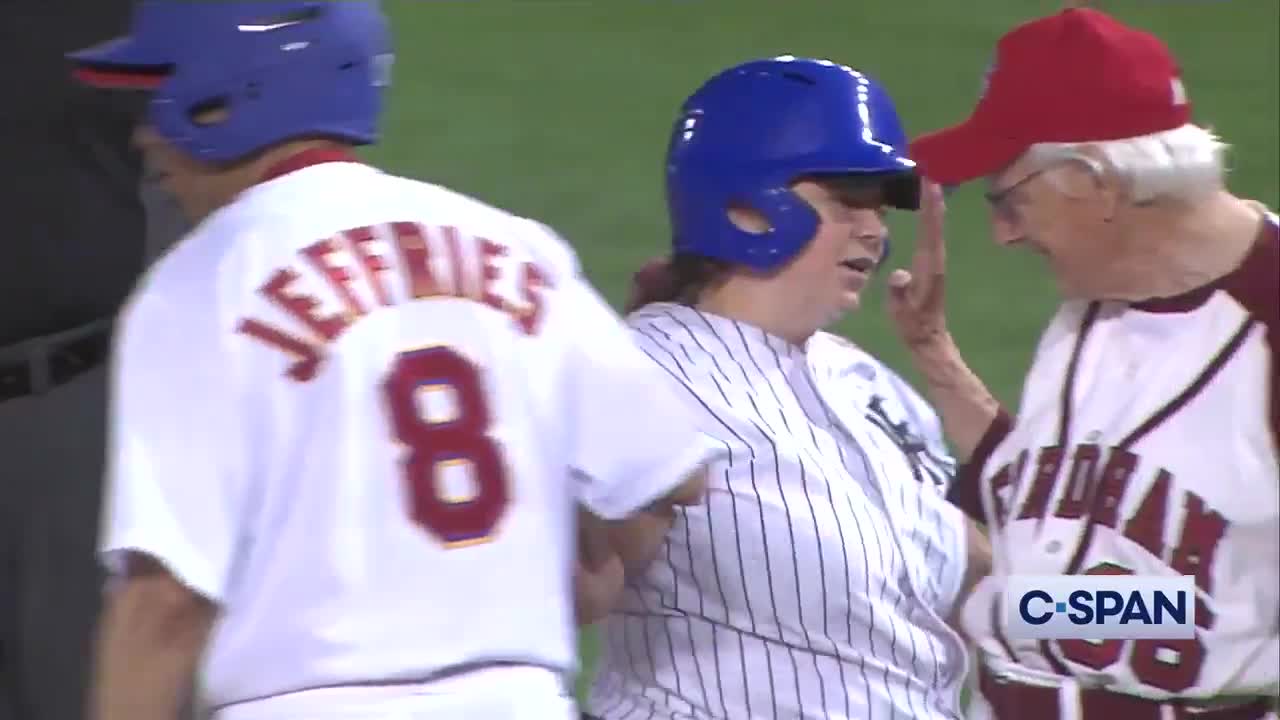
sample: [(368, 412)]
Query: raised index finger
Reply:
[(931, 248)]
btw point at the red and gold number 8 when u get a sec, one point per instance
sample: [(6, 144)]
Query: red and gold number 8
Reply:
[(433, 443)]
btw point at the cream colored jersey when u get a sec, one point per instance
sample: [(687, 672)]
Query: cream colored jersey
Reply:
[(356, 411), (1146, 443)]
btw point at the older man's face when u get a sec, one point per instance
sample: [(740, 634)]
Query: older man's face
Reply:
[(1062, 211)]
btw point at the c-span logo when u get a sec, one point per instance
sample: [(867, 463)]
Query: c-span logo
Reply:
[(1100, 607)]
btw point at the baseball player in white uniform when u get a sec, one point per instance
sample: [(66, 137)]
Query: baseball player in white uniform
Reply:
[(1146, 439), (352, 413), (819, 578)]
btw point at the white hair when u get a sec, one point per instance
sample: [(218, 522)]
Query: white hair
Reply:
[(1184, 163)]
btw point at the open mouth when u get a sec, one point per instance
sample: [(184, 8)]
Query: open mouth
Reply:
[(862, 265)]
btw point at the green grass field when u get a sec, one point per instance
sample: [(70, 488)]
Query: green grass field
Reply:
[(559, 109)]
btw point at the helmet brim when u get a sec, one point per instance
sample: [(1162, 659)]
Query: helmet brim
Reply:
[(121, 64), (900, 187)]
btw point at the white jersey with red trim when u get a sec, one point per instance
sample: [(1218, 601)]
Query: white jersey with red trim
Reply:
[(1146, 443), (356, 411)]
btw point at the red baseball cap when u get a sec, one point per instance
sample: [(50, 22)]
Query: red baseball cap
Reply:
[(1077, 76)]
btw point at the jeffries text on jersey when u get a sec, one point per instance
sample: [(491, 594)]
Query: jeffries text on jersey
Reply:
[(435, 262)]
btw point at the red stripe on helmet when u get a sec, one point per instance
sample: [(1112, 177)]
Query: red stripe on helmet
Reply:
[(119, 78)]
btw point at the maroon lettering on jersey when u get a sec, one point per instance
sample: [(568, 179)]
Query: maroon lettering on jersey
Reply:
[(1020, 464), (453, 239), (1196, 550), (1202, 531), (1048, 463), (1080, 479), (321, 256), (301, 306), (375, 266), (1000, 483), (1146, 526), (532, 282), (490, 251), (1112, 485), (1205, 617), (307, 357), (415, 258)]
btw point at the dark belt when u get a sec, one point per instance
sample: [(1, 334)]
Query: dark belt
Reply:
[(1011, 700), (36, 366)]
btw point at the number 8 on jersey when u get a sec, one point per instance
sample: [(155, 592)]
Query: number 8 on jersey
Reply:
[(433, 444)]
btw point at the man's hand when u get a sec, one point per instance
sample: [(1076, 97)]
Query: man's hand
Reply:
[(609, 551), (917, 296), (637, 539), (977, 567), (150, 637), (596, 590), (599, 576), (690, 492), (917, 305)]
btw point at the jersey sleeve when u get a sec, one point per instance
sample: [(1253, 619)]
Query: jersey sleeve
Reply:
[(631, 440), (175, 481)]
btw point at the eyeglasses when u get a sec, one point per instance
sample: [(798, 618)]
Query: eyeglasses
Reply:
[(999, 199)]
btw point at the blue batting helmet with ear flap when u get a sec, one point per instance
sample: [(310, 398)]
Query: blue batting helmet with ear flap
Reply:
[(280, 70), (753, 130)]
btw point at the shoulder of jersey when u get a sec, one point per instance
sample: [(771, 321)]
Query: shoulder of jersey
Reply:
[(196, 262), (548, 248), (844, 357), (645, 314), (551, 249)]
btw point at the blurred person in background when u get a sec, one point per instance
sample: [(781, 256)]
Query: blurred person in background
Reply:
[(78, 234)]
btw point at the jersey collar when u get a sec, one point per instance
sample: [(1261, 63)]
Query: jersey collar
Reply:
[(307, 158), (1193, 299)]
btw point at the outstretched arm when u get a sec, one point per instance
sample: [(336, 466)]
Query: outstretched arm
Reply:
[(971, 416), (977, 566), (151, 635), (917, 305), (963, 402), (611, 551), (174, 498)]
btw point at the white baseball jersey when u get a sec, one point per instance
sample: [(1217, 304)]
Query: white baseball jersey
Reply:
[(1146, 443), (815, 580), (356, 411)]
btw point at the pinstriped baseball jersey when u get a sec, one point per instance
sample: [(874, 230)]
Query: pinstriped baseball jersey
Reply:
[(814, 581)]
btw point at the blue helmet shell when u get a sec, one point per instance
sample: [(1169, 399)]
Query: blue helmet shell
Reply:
[(281, 70), (753, 130)]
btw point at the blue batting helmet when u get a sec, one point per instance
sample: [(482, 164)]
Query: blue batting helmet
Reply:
[(281, 70), (753, 130)]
